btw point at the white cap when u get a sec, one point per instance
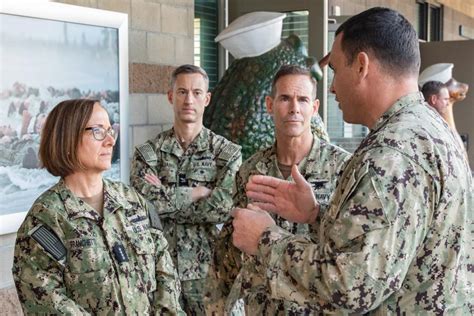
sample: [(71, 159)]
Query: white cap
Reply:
[(252, 34), (437, 72)]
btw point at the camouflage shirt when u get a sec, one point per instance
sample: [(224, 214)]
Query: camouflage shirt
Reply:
[(237, 276), (71, 260), (398, 236), (211, 161)]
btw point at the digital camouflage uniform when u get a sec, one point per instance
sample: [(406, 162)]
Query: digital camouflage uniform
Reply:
[(211, 161), (66, 259), (242, 279), (398, 236)]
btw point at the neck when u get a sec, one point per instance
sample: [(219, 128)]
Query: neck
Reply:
[(291, 150), (186, 132), (84, 184), (386, 92)]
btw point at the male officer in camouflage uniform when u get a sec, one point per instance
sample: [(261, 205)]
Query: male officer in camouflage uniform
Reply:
[(436, 95), (292, 103), (398, 236), (188, 172)]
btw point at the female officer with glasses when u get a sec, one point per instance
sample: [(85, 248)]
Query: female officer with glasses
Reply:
[(89, 245)]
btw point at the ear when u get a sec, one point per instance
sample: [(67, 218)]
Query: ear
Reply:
[(432, 99), (170, 96), (315, 106), (269, 104), (207, 99), (362, 65)]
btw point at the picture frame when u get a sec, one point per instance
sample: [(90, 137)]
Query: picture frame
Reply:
[(50, 52)]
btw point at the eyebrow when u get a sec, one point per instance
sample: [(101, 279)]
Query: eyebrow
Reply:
[(184, 89), (290, 96), (97, 125)]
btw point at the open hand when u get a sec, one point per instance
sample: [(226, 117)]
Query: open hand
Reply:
[(293, 201)]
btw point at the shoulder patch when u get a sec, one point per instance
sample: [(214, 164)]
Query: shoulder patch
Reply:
[(155, 221), (229, 151), (49, 241), (148, 153)]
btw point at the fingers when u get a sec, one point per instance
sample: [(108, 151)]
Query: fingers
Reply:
[(235, 211), (265, 181), (260, 197), (152, 179), (261, 188), (269, 207), (298, 177), (254, 207)]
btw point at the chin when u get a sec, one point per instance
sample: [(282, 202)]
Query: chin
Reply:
[(186, 119), (293, 133)]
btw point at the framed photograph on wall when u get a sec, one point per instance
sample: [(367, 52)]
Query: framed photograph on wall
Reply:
[(50, 52)]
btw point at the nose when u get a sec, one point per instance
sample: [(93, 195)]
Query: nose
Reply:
[(189, 97), (294, 106), (108, 140)]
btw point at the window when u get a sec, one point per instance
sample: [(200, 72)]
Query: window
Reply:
[(430, 22), (296, 23), (205, 30)]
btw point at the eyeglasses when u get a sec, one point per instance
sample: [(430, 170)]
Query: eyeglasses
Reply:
[(100, 133)]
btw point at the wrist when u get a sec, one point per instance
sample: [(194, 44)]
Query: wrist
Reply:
[(314, 214)]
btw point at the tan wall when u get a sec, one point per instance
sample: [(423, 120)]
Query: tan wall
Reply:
[(160, 38), (451, 20)]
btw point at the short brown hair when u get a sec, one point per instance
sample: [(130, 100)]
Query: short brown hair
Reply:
[(287, 70), (62, 134), (432, 88), (188, 69)]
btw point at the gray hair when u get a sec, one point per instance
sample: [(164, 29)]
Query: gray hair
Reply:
[(189, 69)]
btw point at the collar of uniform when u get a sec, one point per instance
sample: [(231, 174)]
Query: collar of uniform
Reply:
[(268, 164), (407, 100), (113, 199), (312, 157), (171, 144), (77, 208), (74, 206)]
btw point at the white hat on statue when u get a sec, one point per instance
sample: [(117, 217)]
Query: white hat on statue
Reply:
[(437, 72), (252, 34)]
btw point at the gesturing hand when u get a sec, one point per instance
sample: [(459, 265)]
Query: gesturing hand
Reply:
[(293, 201)]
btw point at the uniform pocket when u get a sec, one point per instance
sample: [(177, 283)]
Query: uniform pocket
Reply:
[(143, 248), (202, 175), (94, 286), (167, 176)]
